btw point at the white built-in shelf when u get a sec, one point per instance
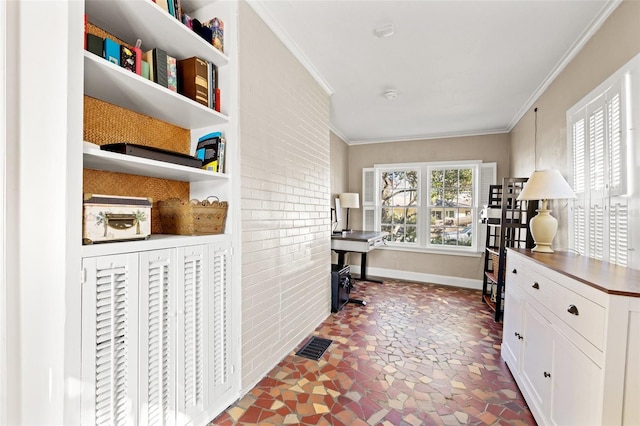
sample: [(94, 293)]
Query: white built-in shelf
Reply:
[(130, 20), (155, 242), (97, 159), (118, 86)]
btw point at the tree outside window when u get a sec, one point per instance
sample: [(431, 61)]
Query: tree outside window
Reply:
[(399, 199), (451, 204)]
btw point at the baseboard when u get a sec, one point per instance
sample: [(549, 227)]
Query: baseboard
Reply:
[(420, 277)]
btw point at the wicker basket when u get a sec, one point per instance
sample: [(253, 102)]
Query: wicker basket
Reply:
[(193, 217), (495, 258)]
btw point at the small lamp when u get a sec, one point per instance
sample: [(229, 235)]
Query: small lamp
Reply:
[(349, 200), (545, 185)]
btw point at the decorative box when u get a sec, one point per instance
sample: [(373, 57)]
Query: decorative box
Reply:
[(110, 218)]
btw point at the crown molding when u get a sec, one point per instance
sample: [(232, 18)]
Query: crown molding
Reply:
[(428, 137), (573, 51), (339, 134), (286, 39)]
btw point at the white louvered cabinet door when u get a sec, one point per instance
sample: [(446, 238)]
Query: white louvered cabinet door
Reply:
[(157, 337), (192, 374), (220, 344), (110, 340)]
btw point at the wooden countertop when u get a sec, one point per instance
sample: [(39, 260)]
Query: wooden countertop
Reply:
[(607, 277)]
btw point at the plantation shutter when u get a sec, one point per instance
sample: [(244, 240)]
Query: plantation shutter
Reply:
[(578, 237), (191, 330), (157, 337), (600, 217), (220, 344), (617, 147), (596, 178), (109, 340), (370, 221)]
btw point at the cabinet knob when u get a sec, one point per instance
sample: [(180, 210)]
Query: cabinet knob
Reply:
[(547, 374), (536, 286), (573, 310), (515, 271), (518, 335)]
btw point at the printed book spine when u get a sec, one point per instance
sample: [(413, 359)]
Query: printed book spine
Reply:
[(157, 59), (127, 59), (148, 58), (221, 153), (172, 74), (192, 79), (112, 51), (210, 82)]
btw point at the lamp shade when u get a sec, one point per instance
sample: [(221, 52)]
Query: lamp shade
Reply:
[(546, 185), (350, 200)]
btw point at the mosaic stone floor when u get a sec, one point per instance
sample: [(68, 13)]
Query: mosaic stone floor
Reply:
[(417, 354)]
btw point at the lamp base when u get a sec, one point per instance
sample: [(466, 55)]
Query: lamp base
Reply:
[(543, 228)]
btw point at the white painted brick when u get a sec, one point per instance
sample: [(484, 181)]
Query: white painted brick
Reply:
[(285, 190)]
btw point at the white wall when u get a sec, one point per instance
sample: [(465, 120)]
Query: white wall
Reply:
[(3, 262), (285, 149), (43, 186)]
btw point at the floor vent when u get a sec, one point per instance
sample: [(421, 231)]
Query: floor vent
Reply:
[(314, 348)]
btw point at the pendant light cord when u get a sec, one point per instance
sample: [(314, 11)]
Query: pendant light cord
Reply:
[(535, 140)]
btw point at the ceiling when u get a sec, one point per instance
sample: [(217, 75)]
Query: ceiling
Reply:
[(460, 67)]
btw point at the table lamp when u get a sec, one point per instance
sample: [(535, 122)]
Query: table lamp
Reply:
[(545, 185), (349, 200)]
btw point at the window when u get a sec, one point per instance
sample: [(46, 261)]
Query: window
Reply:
[(399, 200), (451, 197), (600, 135), (427, 206)]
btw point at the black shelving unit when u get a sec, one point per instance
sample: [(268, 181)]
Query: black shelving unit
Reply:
[(509, 229)]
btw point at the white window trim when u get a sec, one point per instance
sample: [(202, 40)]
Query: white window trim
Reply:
[(422, 246)]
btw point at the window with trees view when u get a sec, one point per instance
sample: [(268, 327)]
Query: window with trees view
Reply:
[(399, 199), (451, 206), (427, 205)]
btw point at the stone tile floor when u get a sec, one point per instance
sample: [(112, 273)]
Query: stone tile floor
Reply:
[(417, 354)]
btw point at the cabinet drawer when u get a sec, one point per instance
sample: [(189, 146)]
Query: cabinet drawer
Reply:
[(581, 314)]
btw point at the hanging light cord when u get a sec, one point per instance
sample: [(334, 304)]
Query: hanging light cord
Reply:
[(535, 140)]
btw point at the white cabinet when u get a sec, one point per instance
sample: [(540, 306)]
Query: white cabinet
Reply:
[(159, 332), (110, 340), (568, 340), (156, 335)]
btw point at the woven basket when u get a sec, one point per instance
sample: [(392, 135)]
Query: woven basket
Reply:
[(193, 217), (495, 258)]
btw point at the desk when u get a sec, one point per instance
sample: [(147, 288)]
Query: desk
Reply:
[(359, 242)]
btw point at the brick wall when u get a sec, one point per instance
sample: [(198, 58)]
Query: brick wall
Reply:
[(284, 129)]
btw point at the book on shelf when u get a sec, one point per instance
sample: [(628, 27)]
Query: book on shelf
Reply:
[(216, 25), (193, 80), (222, 145), (95, 45), (127, 58), (164, 5), (214, 102), (112, 51), (157, 59), (208, 150), (172, 74)]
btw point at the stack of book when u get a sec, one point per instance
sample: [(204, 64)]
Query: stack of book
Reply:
[(211, 150)]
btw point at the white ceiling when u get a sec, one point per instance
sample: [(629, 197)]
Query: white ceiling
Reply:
[(460, 67)]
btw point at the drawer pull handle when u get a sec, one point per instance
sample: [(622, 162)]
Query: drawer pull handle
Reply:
[(573, 310), (515, 271), (518, 335), (547, 374), (536, 286)]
